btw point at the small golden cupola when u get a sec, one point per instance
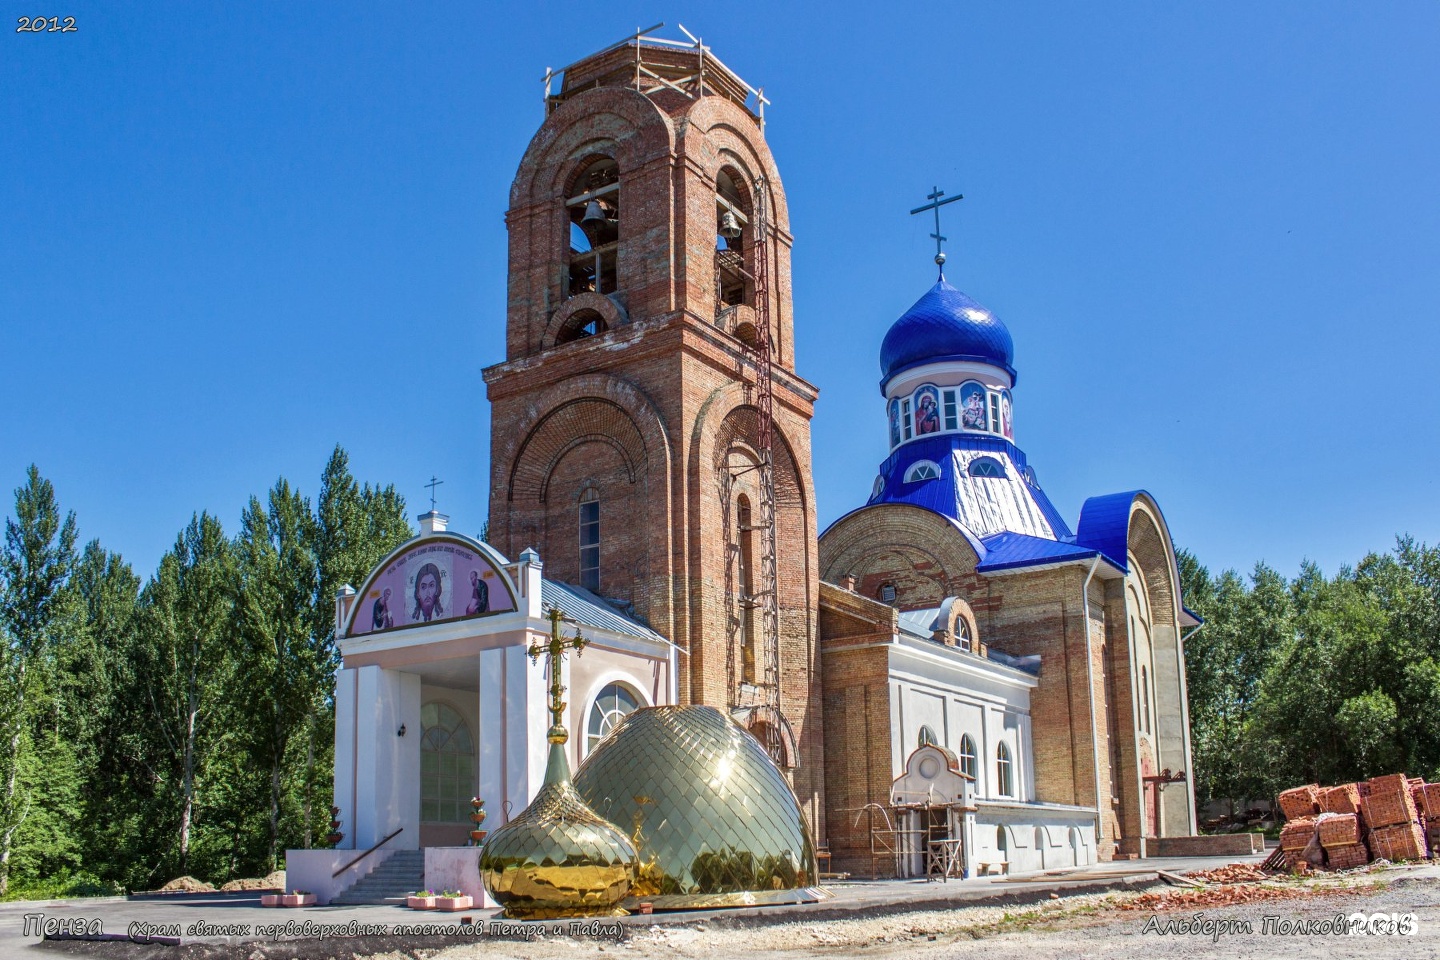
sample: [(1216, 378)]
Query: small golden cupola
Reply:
[(558, 858)]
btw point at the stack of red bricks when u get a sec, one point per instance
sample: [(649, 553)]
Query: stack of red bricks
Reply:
[(1427, 799), (1395, 832), (1353, 822)]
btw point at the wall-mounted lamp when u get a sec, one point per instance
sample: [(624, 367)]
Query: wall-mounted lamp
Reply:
[(401, 731)]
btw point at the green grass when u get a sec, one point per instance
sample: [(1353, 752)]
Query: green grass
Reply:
[(64, 887)]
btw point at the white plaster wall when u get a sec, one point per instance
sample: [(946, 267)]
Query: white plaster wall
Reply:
[(345, 755), (387, 764)]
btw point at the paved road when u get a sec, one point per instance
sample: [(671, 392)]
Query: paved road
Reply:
[(186, 915)]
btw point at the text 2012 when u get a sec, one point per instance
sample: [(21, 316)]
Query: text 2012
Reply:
[(42, 25)]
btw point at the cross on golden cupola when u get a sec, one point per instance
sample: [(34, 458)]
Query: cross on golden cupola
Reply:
[(555, 650)]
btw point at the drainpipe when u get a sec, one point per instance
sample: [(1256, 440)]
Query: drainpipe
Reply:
[(1094, 723)]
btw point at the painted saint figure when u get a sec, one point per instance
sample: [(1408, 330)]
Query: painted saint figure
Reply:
[(429, 590), (380, 616), (479, 594), (972, 407), (927, 411)]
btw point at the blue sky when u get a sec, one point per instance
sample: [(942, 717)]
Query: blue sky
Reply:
[(232, 236)]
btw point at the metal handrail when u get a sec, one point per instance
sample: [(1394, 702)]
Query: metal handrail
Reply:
[(366, 853)]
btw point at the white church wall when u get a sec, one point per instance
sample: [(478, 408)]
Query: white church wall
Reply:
[(345, 755), (387, 764)]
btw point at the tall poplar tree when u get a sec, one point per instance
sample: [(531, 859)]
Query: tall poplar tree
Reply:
[(35, 566), (185, 666)]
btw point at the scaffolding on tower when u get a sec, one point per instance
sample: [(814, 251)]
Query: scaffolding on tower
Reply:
[(763, 595)]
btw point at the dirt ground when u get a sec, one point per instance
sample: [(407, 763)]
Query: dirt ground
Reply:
[(1154, 922)]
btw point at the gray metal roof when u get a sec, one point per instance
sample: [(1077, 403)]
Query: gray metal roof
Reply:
[(582, 606)]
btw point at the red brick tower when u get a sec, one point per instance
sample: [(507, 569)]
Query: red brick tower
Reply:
[(649, 256)]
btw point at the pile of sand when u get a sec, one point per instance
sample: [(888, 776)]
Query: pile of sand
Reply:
[(187, 885), (275, 881)]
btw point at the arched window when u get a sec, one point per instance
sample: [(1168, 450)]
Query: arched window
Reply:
[(987, 467), (584, 323), (967, 756), (734, 283), (922, 470), (928, 738), (1004, 783), (447, 765), (745, 537), (610, 707), (592, 209), (963, 640), (590, 540)]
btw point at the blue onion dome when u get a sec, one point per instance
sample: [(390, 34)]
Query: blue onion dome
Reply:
[(943, 325)]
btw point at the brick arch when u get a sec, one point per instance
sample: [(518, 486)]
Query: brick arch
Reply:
[(616, 121), (585, 420), (637, 405), (611, 312), (856, 539), (718, 127), (1149, 543)]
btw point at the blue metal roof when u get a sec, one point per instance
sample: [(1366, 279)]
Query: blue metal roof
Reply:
[(1105, 526), (945, 324), (1006, 551), (582, 606), (1022, 509)]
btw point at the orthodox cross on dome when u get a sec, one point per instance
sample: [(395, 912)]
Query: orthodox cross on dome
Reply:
[(555, 649), (935, 204), (434, 482)]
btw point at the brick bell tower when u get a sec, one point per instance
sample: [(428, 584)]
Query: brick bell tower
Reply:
[(650, 436)]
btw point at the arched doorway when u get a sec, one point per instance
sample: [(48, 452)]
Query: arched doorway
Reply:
[(447, 775)]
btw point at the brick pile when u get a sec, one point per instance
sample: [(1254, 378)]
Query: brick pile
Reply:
[(1353, 823)]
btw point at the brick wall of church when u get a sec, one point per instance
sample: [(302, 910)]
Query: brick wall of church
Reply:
[(857, 726)]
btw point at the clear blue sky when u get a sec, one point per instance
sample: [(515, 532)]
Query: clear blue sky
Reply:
[(231, 234)]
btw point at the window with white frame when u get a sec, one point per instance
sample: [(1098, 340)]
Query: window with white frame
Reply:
[(987, 467), (995, 413), (952, 410), (1004, 777), (967, 757), (906, 425), (922, 470), (927, 737), (611, 706)]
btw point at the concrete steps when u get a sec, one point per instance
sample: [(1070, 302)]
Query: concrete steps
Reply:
[(400, 875)]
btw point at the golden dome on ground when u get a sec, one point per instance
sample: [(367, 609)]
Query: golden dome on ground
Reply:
[(712, 817), (558, 858)]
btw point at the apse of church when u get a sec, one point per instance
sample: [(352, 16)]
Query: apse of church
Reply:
[(634, 442)]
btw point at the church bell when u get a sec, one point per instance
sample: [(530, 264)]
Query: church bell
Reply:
[(594, 213), (729, 226)]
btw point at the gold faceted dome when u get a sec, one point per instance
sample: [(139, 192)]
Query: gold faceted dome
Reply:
[(712, 818), (558, 858)]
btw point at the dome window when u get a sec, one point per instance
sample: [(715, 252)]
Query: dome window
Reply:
[(879, 487), (952, 411), (987, 467), (922, 470)]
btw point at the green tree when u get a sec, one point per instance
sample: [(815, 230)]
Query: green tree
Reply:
[(185, 666), (35, 566), (284, 665)]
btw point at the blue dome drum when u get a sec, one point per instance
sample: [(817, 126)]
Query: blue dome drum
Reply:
[(946, 325)]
